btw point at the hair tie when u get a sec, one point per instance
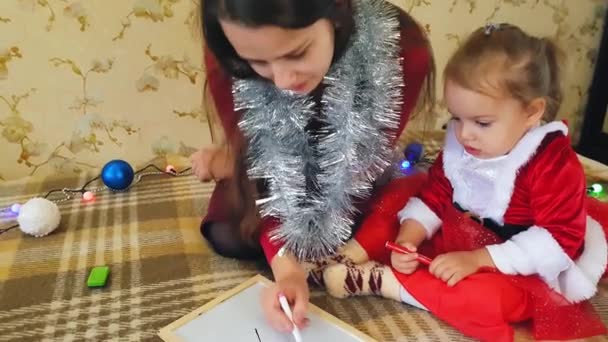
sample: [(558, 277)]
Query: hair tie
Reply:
[(491, 27)]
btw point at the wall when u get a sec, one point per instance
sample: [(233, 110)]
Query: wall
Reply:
[(83, 82), (574, 25)]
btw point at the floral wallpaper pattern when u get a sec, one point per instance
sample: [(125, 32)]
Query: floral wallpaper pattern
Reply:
[(84, 82), (575, 25)]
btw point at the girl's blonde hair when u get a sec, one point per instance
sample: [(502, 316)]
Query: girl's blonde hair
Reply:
[(502, 59)]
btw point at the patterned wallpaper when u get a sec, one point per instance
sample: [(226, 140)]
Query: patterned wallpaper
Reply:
[(83, 82), (575, 25)]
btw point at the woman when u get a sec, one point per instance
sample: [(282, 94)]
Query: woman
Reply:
[(312, 96)]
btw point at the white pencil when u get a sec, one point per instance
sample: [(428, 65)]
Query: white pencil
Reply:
[(287, 310)]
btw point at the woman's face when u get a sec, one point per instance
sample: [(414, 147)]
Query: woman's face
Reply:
[(294, 59)]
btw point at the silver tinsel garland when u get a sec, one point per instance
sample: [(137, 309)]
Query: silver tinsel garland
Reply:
[(360, 109)]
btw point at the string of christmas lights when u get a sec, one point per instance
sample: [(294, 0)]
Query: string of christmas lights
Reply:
[(40, 215)]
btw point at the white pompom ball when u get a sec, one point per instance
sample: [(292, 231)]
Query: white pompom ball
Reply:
[(38, 217)]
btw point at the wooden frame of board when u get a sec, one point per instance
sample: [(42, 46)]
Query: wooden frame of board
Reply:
[(168, 335)]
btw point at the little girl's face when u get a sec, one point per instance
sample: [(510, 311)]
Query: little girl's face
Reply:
[(487, 126), (294, 59)]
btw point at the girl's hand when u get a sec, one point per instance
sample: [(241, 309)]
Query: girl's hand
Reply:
[(295, 289), (213, 162), (405, 263), (455, 266)]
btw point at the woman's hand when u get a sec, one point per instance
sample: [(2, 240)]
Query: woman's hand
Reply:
[(291, 282), (295, 289), (213, 162)]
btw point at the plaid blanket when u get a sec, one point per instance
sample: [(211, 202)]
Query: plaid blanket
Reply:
[(160, 268)]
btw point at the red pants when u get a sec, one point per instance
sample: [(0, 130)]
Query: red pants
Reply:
[(484, 304)]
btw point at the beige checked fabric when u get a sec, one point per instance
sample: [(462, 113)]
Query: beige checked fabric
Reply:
[(160, 270)]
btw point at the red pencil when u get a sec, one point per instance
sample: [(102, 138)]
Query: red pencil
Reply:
[(400, 249)]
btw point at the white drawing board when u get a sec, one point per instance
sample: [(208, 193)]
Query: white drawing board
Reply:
[(237, 316)]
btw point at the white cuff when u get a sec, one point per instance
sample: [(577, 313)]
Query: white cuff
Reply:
[(416, 209), (533, 251), (536, 251), (580, 282)]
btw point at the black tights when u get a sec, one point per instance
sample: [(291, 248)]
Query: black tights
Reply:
[(225, 239)]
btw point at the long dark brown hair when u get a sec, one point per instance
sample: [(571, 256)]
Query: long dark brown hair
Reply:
[(241, 191), (290, 14)]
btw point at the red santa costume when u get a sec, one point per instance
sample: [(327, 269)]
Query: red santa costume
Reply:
[(530, 210)]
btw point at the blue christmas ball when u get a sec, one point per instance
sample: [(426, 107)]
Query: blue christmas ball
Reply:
[(413, 152), (117, 175)]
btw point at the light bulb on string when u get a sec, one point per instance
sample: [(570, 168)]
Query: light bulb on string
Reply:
[(40, 215), (170, 169), (15, 208), (88, 197), (596, 189), (405, 165)]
